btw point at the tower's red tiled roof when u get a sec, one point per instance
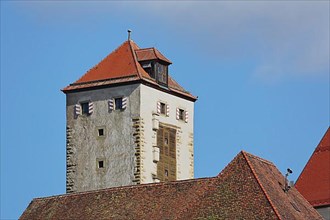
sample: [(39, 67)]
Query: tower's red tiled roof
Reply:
[(248, 188), (122, 66), (314, 181)]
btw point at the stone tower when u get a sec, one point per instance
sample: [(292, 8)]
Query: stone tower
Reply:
[(128, 122)]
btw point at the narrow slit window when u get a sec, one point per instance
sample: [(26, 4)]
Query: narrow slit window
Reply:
[(166, 141), (162, 108), (101, 164), (181, 114)]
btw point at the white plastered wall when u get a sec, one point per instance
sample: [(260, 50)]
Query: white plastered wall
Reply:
[(184, 146)]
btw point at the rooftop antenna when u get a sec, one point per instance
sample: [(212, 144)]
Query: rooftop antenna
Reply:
[(287, 186), (129, 34)]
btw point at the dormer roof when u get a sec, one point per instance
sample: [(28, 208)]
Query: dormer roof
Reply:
[(314, 181), (151, 54), (122, 66)]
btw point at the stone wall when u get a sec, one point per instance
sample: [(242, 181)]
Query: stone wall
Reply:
[(116, 148), (126, 150)]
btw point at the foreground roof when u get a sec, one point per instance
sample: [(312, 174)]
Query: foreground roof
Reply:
[(314, 181), (122, 66), (248, 188)]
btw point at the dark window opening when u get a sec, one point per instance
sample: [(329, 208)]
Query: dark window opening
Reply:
[(166, 172), (118, 103), (84, 108), (181, 114), (162, 73), (101, 164), (162, 108), (101, 132), (166, 141), (157, 71), (148, 67)]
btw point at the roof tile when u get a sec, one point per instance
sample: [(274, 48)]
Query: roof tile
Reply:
[(122, 66), (314, 181), (248, 188)]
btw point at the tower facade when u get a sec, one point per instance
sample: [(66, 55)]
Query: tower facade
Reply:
[(128, 122)]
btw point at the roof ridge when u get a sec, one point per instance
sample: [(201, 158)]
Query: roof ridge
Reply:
[(154, 50), (134, 57), (321, 147), (259, 158), (126, 187), (245, 155)]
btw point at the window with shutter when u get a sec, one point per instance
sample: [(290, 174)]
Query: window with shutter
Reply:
[(110, 105), (77, 110), (158, 107), (182, 115), (167, 110), (166, 166), (118, 103), (84, 108), (163, 108), (90, 107), (124, 103)]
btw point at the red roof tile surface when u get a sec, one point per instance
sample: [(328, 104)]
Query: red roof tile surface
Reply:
[(150, 54), (248, 188), (122, 66), (314, 181)]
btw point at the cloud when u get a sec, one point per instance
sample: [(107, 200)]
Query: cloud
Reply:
[(283, 38), (287, 38)]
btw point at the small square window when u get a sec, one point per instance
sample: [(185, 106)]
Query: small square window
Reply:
[(101, 132), (181, 114), (84, 108), (118, 103), (101, 164), (162, 108)]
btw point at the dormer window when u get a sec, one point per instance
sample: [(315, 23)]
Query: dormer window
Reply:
[(157, 71), (155, 64), (148, 67), (161, 73)]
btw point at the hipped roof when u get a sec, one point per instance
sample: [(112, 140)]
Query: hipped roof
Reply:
[(314, 181), (122, 66), (248, 188)]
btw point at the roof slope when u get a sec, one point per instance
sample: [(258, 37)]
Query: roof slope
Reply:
[(248, 188), (122, 66), (314, 181)]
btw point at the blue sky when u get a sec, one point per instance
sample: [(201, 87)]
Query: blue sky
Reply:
[(260, 70)]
